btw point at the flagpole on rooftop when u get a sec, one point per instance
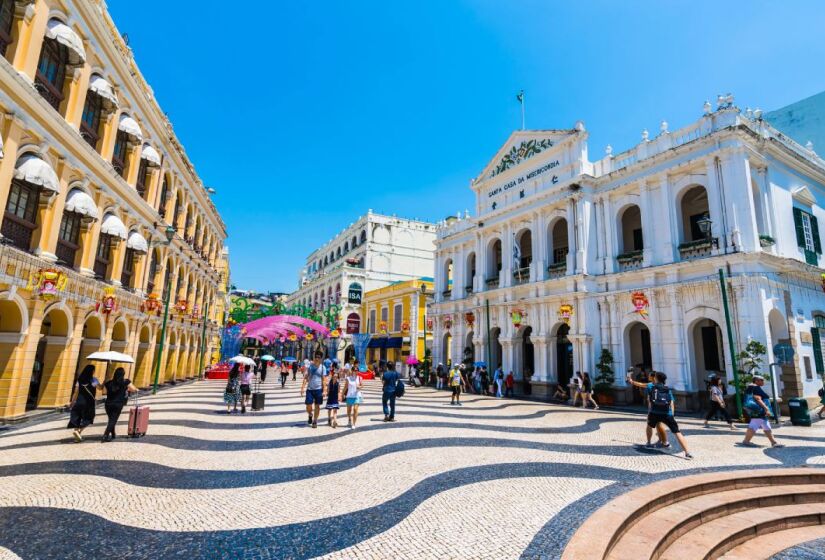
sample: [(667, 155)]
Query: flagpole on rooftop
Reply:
[(520, 98)]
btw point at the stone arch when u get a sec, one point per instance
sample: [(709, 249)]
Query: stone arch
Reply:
[(629, 229), (91, 340), (524, 242), (637, 347), (561, 354), (51, 377), (14, 315), (707, 350), (693, 203), (558, 244), (470, 272), (494, 259)]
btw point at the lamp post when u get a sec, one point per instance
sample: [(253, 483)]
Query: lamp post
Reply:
[(704, 223), (424, 359), (170, 235)]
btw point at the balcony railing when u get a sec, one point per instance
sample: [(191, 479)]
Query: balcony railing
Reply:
[(468, 290), (521, 275), (631, 260), (557, 270), (447, 294), (699, 248), (491, 283)]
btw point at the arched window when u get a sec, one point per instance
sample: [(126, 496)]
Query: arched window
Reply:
[(346, 247), (164, 195), (51, 72), (338, 253), (363, 236), (79, 208), (91, 119)]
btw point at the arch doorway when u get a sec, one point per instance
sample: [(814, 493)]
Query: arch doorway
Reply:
[(446, 342), (47, 370), (708, 352), (637, 352), (469, 353), (564, 355), (528, 362), (91, 342)]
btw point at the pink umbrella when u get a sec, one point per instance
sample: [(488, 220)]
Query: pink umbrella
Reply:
[(412, 360)]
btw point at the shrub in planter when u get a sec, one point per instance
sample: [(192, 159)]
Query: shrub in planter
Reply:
[(605, 377)]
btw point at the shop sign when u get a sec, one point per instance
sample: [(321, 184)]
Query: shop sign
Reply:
[(354, 293), (353, 323), (640, 303)]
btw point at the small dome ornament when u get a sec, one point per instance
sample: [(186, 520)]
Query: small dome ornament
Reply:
[(663, 128), (609, 151), (810, 146), (645, 135), (706, 107), (757, 114), (748, 113)]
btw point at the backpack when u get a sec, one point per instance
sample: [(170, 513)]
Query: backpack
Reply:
[(230, 388), (660, 399), (399, 388), (753, 408)]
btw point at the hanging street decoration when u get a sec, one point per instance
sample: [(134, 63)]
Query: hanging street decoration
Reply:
[(640, 303), (405, 326), (470, 318), (517, 315), (382, 326), (429, 323), (152, 304), (822, 279), (448, 322), (565, 313), (108, 302), (335, 334), (47, 283), (181, 306)]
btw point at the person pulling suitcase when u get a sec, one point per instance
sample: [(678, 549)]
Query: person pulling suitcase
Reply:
[(138, 419)]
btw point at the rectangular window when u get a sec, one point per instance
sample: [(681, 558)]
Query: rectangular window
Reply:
[(638, 240), (90, 121), (51, 72), (397, 314), (809, 374), (806, 230), (119, 155), (807, 235), (69, 237), (140, 186), (6, 20), (372, 321), (104, 248), (385, 311), (21, 214), (128, 269)]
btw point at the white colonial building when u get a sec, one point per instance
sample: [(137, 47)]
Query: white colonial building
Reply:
[(571, 256), (373, 252)]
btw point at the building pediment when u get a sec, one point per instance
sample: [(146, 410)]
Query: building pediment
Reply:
[(804, 195), (522, 146)]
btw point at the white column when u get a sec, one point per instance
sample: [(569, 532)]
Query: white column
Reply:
[(670, 233), (736, 174), (611, 248), (719, 227), (571, 237), (540, 247), (648, 229)]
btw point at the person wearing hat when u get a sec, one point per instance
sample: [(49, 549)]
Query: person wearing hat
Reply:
[(756, 400)]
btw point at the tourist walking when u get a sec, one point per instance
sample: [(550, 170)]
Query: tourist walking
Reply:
[(284, 374), (646, 387), (264, 365), (577, 387), (821, 401), (660, 409), (82, 404), (457, 383), (352, 390), (509, 383), (294, 370), (485, 381), (117, 391), (756, 405), (439, 376), (717, 403), (232, 391), (333, 394), (498, 379), (390, 380), (246, 387), (314, 384), (587, 391)]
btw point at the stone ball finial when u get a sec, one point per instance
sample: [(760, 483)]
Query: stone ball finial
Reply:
[(757, 113), (706, 107), (663, 127), (579, 126), (645, 135), (748, 112), (608, 150), (720, 101), (809, 146)]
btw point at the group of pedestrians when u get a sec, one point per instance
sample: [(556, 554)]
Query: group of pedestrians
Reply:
[(322, 382), (84, 400)]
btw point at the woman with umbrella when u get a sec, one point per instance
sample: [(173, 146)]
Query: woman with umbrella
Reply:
[(83, 402), (117, 391), (232, 390)]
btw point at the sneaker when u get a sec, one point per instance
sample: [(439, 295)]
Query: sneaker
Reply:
[(649, 446), (688, 455), (748, 444), (77, 437), (660, 445), (778, 445), (309, 419), (314, 425)]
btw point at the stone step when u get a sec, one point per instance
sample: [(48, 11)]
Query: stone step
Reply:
[(763, 547), (604, 529), (660, 528), (712, 540)]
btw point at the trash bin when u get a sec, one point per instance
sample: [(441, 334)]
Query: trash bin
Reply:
[(799, 412)]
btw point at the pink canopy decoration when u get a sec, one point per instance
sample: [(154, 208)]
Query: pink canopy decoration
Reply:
[(277, 325)]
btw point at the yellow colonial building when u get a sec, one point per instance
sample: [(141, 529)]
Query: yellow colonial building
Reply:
[(395, 316), (104, 214)]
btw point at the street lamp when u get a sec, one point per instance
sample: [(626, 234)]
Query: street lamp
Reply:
[(704, 223), (424, 359), (170, 235)]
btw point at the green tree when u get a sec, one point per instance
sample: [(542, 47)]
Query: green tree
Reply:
[(750, 361), (606, 376)]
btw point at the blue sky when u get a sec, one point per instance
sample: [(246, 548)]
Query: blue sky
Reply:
[(305, 114)]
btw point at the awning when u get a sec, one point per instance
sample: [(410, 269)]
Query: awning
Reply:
[(104, 89), (393, 342), (130, 126), (137, 242), (81, 203), (64, 35), (377, 343), (36, 171), (113, 226), (150, 154)]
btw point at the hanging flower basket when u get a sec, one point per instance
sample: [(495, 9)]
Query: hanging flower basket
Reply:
[(47, 283)]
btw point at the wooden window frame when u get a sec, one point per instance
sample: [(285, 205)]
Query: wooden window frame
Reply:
[(51, 91)]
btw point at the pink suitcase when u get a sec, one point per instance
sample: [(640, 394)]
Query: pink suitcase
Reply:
[(138, 421)]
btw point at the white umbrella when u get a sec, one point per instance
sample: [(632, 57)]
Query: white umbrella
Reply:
[(110, 357), (241, 359), (268, 358)]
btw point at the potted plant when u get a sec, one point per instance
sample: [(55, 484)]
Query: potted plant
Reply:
[(605, 378)]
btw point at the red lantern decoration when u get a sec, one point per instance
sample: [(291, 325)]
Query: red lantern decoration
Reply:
[(181, 306), (429, 323), (47, 283)]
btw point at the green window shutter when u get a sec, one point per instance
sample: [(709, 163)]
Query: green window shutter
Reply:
[(820, 366), (800, 231), (815, 234)]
